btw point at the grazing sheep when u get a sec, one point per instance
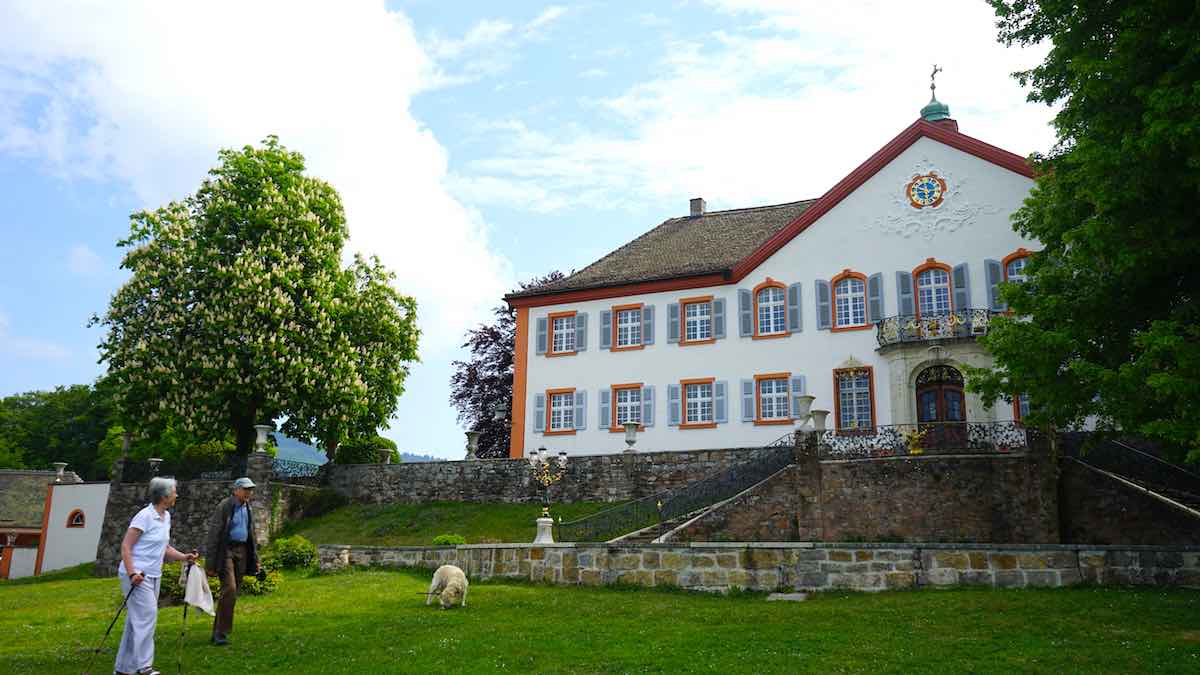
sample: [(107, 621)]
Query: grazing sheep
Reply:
[(450, 584)]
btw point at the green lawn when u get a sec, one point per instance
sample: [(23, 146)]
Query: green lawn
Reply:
[(418, 524), (374, 621)]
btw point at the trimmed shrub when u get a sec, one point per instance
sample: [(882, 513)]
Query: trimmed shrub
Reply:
[(449, 540), (294, 551)]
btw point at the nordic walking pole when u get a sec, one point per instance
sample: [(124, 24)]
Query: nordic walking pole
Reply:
[(110, 627)]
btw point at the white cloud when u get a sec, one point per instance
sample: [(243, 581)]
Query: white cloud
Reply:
[(145, 93), (778, 106), (488, 49), (24, 347), (83, 261), (548, 16)]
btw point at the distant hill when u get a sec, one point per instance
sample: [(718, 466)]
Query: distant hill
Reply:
[(298, 451)]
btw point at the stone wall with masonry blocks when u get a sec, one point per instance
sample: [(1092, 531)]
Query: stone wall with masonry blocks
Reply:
[(720, 567)]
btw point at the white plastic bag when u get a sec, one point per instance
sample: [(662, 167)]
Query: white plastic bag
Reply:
[(196, 591)]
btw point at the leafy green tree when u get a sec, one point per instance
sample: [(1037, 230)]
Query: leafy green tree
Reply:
[(365, 450), (485, 381), (63, 425), (1109, 324), (238, 312)]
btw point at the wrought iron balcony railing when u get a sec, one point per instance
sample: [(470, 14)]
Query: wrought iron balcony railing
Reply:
[(911, 328), (930, 438)]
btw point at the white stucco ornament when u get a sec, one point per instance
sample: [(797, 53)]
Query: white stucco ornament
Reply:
[(940, 204)]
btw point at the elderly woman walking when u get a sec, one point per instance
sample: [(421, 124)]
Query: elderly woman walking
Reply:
[(143, 550)]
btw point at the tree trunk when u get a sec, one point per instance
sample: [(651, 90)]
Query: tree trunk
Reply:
[(243, 430)]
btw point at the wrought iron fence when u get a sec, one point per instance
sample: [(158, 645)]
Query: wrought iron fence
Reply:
[(671, 504), (920, 439), (1140, 467), (911, 328), (300, 473), (187, 468)]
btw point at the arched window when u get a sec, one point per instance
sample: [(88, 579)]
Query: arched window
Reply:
[(849, 300), (934, 290), (771, 311), (1014, 266), (76, 519)]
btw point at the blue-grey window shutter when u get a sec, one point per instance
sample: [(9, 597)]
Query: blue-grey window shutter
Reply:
[(605, 419), (581, 410), (673, 403), (962, 287), (875, 298), (799, 388), (673, 322), (581, 332), (795, 318), (720, 402), (606, 330), (745, 313), (995, 274), (824, 318), (541, 336), (904, 293), (539, 412), (747, 400), (718, 318), (648, 325), (648, 406)]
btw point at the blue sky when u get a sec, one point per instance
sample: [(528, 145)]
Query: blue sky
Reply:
[(475, 144)]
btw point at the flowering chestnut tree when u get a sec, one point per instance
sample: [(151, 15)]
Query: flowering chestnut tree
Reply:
[(239, 311)]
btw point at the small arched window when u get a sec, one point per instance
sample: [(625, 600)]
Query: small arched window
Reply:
[(1014, 266), (849, 300), (933, 290), (76, 519), (772, 311)]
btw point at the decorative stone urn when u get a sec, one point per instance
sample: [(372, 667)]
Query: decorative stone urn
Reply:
[(818, 418), (260, 441)]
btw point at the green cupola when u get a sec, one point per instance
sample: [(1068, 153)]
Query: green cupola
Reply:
[(935, 110)]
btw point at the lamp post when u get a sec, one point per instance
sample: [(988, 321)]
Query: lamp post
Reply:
[(631, 429), (260, 441), (546, 470), (154, 462), (472, 444)]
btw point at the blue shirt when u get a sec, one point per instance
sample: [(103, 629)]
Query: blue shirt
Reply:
[(238, 528)]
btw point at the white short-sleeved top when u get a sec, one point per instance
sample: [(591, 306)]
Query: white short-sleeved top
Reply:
[(150, 548)]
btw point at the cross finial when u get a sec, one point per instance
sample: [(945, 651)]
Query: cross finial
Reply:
[(932, 83)]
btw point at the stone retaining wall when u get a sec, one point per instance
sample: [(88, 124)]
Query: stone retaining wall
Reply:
[(588, 478), (796, 566), (1097, 507), (189, 518)]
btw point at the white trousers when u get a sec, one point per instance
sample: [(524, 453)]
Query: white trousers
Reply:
[(141, 616)]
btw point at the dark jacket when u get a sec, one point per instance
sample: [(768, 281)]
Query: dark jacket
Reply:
[(217, 543)]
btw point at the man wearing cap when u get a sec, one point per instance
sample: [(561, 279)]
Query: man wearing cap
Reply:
[(230, 552)]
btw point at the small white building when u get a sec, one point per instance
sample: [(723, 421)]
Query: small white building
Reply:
[(48, 521), (710, 328)]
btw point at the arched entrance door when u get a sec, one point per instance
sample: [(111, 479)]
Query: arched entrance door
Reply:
[(941, 406)]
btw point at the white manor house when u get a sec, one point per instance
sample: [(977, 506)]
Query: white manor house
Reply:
[(707, 329)]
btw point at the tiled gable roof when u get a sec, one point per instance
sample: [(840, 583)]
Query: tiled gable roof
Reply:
[(23, 497), (682, 247)]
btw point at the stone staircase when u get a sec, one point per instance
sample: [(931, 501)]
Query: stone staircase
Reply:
[(646, 519), (1164, 480)]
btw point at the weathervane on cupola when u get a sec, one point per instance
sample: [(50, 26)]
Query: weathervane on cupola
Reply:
[(935, 110)]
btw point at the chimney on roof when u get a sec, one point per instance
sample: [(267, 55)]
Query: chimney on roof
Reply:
[(697, 207)]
